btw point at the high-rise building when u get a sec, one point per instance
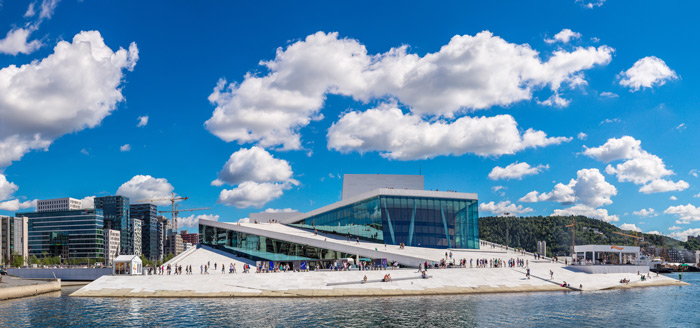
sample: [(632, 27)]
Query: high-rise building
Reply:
[(116, 216), (137, 236), (163, 227), (148, 213), (58, 204), (174, 244), (112, 243), (13, 238), (192, 238), (70, 234)]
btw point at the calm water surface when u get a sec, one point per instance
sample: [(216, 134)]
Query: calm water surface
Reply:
[(645, 307)]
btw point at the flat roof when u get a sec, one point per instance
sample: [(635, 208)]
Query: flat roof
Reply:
[(606, 248)]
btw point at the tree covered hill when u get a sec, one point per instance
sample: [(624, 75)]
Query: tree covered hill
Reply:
[(524, 232)]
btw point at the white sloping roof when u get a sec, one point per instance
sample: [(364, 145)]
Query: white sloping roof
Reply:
[(127, 258)]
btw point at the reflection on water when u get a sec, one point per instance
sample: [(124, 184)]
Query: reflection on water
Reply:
[(647, 307)]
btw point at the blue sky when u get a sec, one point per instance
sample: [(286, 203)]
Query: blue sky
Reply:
[(253, 107)]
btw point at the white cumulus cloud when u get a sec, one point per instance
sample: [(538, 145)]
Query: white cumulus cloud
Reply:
[(683, 235), (88, 202), (583, 210), (193, 220), (515, 171), (468, 73), (564, 36), (7, 188), (630, 227), (146, 187), (253, 194), (254, 164), (589, 188), (590, 4), (125, 147), (582, 136), (646, 73), (143, 121), (646, 212), (16, 205), (15, 42), (44, 99), (504, 208), (684, 213), (639, 167), (410, 137)]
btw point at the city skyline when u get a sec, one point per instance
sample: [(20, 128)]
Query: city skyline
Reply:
[(559, 107)]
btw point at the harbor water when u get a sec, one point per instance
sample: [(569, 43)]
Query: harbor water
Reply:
[(674, 306)]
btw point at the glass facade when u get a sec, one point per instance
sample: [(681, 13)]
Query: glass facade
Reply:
[(259, 248), (413, 221), (148, 214), (116, 216), (68, 234)]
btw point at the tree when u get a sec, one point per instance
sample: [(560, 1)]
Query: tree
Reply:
[(17, 260)]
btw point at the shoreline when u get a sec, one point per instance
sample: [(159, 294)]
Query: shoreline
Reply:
[(27, 288)]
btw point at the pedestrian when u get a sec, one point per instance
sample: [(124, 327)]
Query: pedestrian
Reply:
[(551, 275)]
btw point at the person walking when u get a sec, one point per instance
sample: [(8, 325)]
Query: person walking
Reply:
[(551, 275)]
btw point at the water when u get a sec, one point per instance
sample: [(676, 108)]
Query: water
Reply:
[(674, 306)]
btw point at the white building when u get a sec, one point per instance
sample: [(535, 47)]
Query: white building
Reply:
[(58, 204), (137, 237), (112, 242), (14, 238)]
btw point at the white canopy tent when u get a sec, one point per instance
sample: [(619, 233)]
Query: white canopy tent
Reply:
[(127, 265)]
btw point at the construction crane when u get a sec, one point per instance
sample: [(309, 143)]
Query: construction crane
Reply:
[(573, 235), (176, 211), (635, 236), (172, 201)]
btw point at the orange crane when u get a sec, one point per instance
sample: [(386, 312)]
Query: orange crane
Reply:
[(176, 211), (172, 201), (635, 236)]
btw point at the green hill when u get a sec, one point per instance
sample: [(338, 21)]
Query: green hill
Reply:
[(524, 232)]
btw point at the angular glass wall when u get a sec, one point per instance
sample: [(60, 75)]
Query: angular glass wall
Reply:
[(259, 248), (362, 219), (413, 221)]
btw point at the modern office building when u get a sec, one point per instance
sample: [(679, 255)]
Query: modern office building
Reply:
[(192, 238), (148, 213), (13, 238), (137, 236), (391, 214), (112, 244), (58, 204), (116, 216), (69, 234), (163, 227), (173, 244)]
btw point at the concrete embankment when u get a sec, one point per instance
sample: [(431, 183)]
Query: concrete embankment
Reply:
[(341, 284), (16, 288)]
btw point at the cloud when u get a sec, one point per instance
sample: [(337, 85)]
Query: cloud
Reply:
[(146, 187), (646, 212), (583, 210), (685, 213), (564, 36), (610, 121), (254, 164), (30, 10), (515, 171), (47, 8), (680, 127), (590, 4), (693, 172), (16, 205), (88, 202), (654, 232), (683, 235), (674, 198), (639, 167), (193, 220), (589, 188), (7, 188), (125, 147), (582, 136), (409, 137), (469, 73), (630, 227), (253, 194), (280, 210), (15, 42), (607, 94), (504, 208), (143, 121), (646, 73), (44, 100), (674, 228), (85, 152)]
